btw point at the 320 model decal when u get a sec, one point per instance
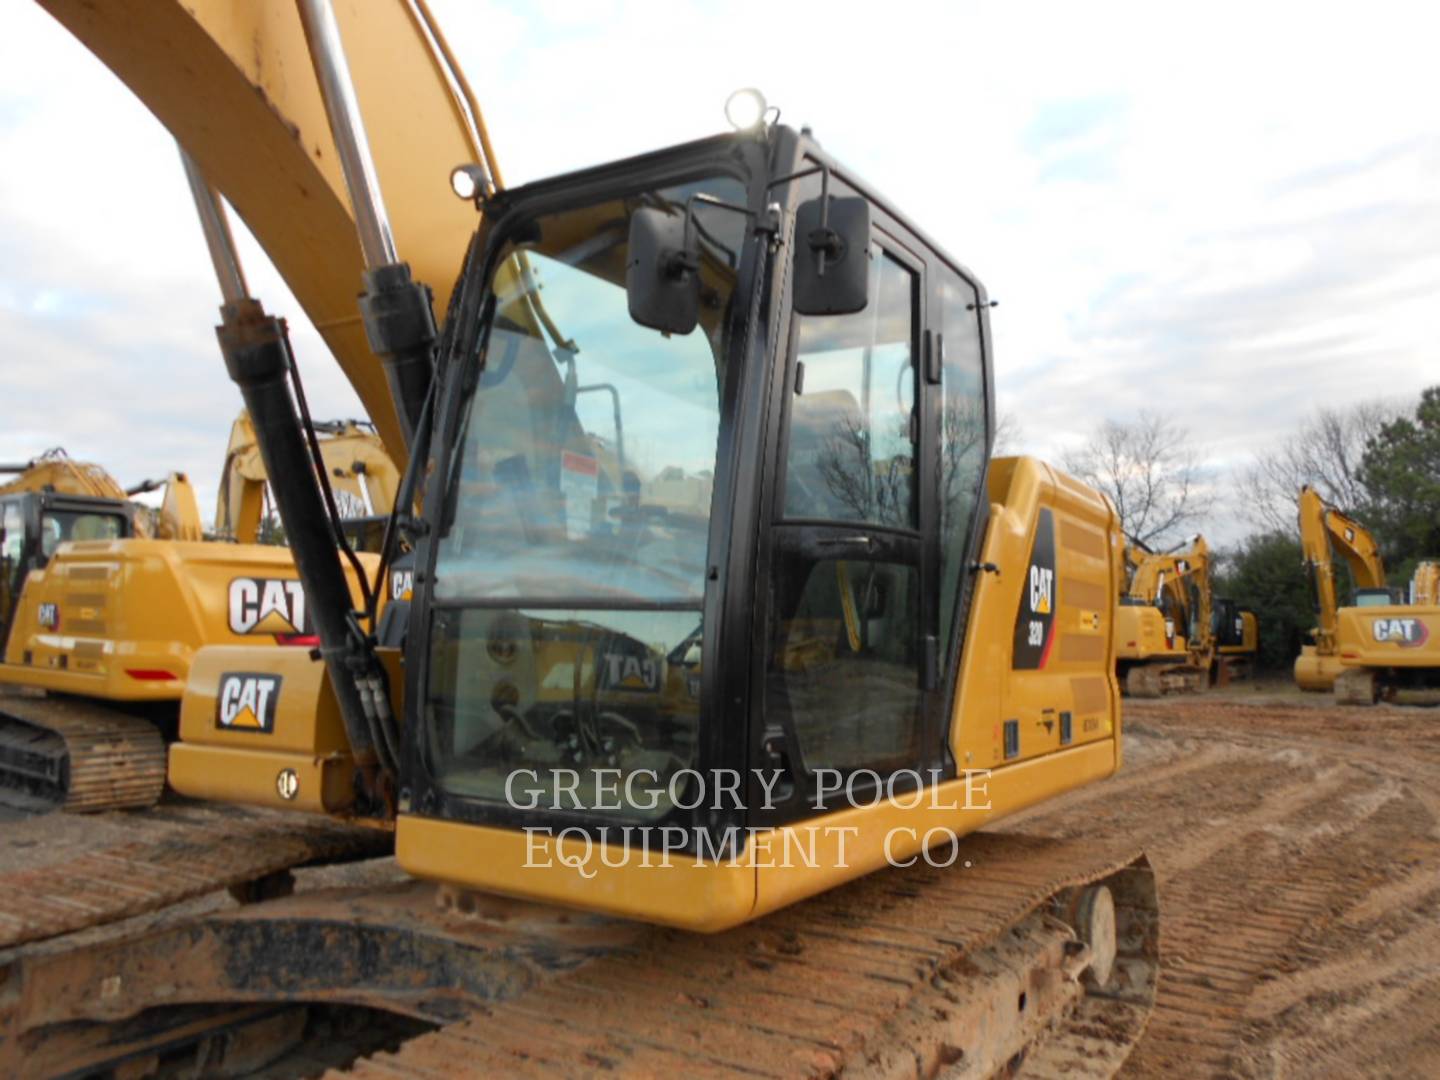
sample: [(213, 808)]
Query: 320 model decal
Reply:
[(1035, 621)]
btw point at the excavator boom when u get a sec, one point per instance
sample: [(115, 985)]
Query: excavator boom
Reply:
[(235, 85), (360, 471), (56, 471), (177, 517), (1324, 531)]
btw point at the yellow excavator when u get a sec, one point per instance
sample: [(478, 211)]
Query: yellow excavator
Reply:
[(104, 603), (361, 474), (99, 624), (55, 472), (1165, 638), (1384, 642), (1236, 631), (798, 637)]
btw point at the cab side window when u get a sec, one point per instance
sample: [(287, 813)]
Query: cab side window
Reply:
[(845, 628), (963, 438), (851, 454)]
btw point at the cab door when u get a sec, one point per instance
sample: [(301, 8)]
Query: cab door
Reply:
[(846, 610)]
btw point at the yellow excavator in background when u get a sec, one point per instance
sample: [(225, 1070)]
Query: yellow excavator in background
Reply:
[(361, 474), (57, 471), (1237, 641), (768, 649), (1380, 644), (1324, 531), (104, 603), (176, 518), (1164, 634)]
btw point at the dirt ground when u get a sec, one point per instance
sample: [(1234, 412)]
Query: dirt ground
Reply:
[(1297, 848)]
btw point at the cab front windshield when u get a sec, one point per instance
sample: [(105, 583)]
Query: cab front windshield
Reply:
[(570, 575)]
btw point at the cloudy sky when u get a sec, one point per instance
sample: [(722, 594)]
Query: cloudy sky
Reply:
[(1227, 214)]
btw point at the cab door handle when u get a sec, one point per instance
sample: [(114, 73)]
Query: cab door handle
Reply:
[(934, 357)]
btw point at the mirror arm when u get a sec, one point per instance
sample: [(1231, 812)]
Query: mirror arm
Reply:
[(824, 241), (823, 170), (679, 263), (692, 225)]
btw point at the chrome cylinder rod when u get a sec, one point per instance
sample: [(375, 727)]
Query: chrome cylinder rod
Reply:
[(216, 226), (327, 52)]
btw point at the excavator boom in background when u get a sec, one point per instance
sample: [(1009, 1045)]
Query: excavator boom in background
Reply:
[(714, 510), (57, 471), (360, 471), (1324, 530)]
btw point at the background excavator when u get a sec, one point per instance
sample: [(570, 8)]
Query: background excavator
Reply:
[(1164, 629), (56, 473), (99, 624), (1384, 642), (361, 474), (104, 602), (1237, 640), (923, 616)]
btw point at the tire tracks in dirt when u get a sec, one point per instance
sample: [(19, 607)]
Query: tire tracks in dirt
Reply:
[(1293, 847)]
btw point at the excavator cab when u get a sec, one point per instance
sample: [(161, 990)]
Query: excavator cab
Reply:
[(587, 603), (716, 537), (1227, 623), (34, 524), (1386, 596), (713, 561)]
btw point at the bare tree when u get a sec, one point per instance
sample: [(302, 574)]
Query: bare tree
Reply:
[(1325, 452), (870, 488), (880, 488), (1009, 435), (1152, 473)]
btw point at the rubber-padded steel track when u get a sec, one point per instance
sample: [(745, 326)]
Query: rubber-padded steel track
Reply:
[(860, 980), (102, 887), (62, 753)]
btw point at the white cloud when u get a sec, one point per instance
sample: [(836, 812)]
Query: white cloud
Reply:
[(1230, 213)]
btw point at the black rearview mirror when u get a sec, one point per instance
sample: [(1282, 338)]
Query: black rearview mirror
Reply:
[(832, 256), (662, 275)]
